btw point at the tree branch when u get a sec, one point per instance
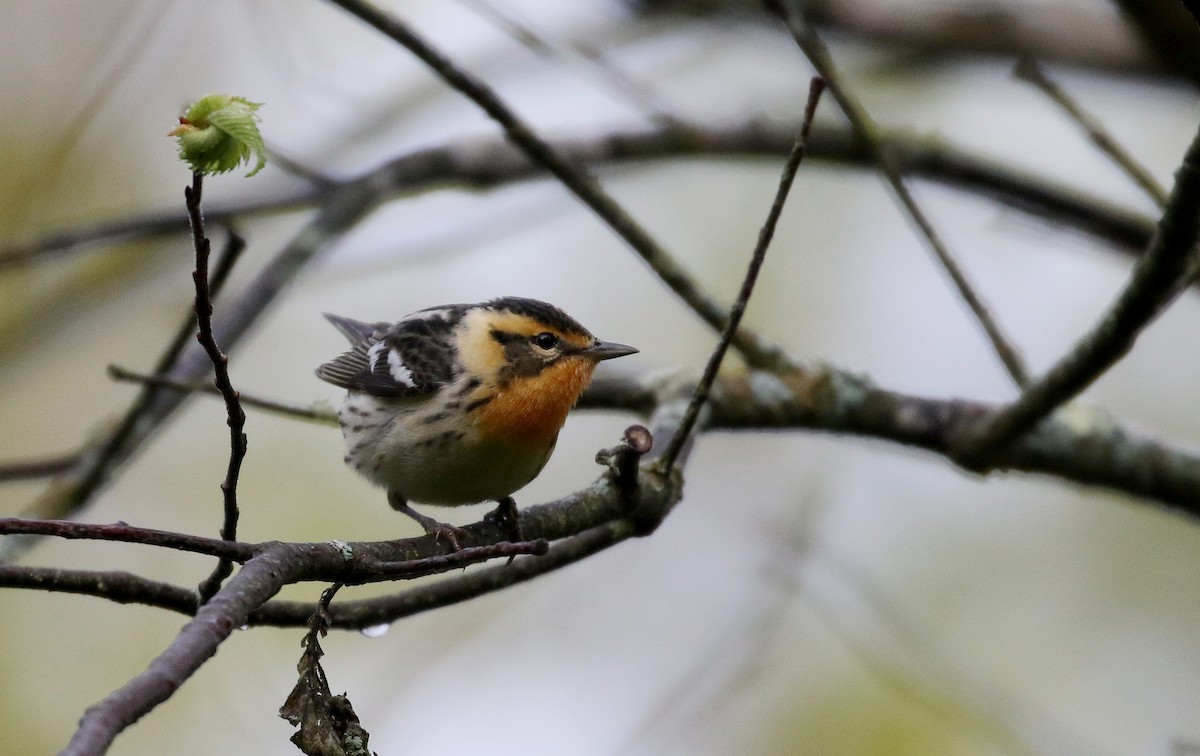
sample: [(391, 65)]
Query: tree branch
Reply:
[(197, 641), (486, 163), (867, 132), (1151, 285), (590, 61), (1090, 451), (1066, 32), (572, 176), (315, 414), (122, 533), (234, 414), (590, 520), (1029, 71), (31, 469), (683, 434), (340, 210), (118, 586)]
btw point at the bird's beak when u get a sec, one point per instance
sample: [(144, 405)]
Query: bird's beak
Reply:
[(606, 350)]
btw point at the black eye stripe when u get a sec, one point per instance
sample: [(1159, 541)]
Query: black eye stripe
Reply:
[(505, 337)]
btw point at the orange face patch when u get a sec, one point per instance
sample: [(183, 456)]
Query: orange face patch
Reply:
[(532, 410)]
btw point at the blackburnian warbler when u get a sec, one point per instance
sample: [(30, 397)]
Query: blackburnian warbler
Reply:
[(461, 403)]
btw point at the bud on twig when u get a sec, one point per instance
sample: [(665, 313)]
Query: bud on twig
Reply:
[(218, 133)]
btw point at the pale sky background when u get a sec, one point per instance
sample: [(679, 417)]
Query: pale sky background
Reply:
[(810, 595)]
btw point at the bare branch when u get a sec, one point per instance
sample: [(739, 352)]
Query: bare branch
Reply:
[(1074, 33), (235, 416), (30, 469), (197, 641), (484, 163), (120, 532), (867, 132), (74, 484), (315, 414), (602, 508), (1151, 285), (341, 209), (573, 177), (1091, 451), (121, 587), (370, 570), (683, 434), (387, 609), (1028, 70), (230, 254), (589, 60)]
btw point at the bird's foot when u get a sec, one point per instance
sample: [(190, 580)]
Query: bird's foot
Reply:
[(505, 515), (432, 527)]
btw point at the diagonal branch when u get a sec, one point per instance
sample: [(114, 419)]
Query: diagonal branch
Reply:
[(572, 176), (70, 492), (197, 641), (1151, 286), (868, 134), (1028, 70), (591, 61), (687, 425), (598, 522)]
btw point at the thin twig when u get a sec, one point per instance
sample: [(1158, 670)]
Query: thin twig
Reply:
[(196, 642), (278, 564), (339, 211), (948, 33), (114, 585), (868, 133), (100, 456), (235, 415), (1028, 70), (594, 62), (438, 563), (1100, 453), (486, 163), (311, 414), (31, 469), (1151, 285), (186, 333), (99, 460), (120, 532), (387, 609), (572, 176), (686, 427)]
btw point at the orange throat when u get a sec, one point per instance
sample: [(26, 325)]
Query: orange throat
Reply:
[(532, 410)]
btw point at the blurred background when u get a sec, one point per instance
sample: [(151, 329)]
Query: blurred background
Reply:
[(812, 594)]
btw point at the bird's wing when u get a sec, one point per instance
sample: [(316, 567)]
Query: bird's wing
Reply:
[(411, 358)]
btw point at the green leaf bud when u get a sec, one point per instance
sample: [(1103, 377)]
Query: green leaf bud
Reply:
[(218, 133)]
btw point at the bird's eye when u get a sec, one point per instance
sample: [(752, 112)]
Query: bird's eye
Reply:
[(545, 340)]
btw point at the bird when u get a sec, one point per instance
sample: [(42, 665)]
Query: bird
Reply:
[(461, 403)]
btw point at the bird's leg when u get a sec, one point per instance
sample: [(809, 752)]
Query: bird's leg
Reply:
[(506, 516), (432, 527)]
